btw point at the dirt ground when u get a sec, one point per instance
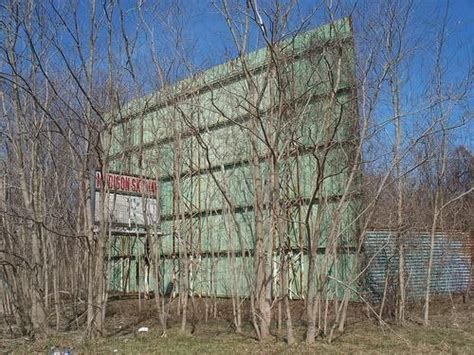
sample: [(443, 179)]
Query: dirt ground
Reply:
[(451, 331)]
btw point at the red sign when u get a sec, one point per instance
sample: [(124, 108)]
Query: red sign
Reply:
[(125, 183)]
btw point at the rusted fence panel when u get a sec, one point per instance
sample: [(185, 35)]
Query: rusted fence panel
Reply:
[(451, 270)]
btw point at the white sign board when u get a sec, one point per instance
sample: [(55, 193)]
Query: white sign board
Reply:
[(128, 199)]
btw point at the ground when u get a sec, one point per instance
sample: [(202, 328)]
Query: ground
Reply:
[(452, 331)]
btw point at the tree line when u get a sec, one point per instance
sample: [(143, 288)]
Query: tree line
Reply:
[(68, 75)]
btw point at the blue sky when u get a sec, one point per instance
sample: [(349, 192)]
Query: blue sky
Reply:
[(207, 42), (206, 27), (206, 32)]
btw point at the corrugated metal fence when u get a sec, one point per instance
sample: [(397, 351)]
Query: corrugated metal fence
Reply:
[(451, 272)]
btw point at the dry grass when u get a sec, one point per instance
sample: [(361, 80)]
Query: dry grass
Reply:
[(452, 332)]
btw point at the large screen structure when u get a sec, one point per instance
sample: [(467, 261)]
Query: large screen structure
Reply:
[(273, 133)]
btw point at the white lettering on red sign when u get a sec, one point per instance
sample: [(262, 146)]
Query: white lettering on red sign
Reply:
[(125, 183)]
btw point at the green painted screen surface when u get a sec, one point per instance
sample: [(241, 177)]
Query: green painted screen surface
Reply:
[(201, 127)]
